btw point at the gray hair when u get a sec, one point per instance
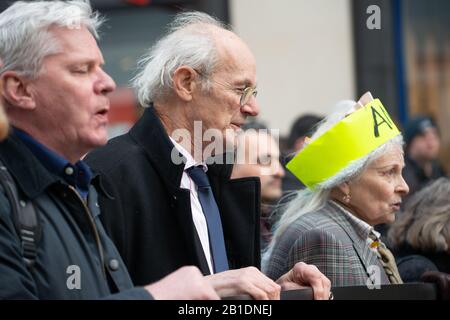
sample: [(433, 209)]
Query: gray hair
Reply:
[(308, 200), (189, 41), (25, 39), (424, 224)]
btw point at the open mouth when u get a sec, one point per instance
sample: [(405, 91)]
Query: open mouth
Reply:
[(396, 206), (103, 112), (102, 115)]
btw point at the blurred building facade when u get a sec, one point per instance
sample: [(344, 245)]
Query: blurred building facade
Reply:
[(310, 53)]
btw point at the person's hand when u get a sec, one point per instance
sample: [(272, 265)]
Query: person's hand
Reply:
[(186, 283), (243, 281), (306, 275)]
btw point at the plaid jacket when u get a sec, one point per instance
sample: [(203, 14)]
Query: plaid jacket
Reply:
[(330, 239)]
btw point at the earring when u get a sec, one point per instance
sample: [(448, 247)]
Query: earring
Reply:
[(346, 198)]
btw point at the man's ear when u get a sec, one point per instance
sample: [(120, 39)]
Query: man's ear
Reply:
[(16, 90), (184, 83)]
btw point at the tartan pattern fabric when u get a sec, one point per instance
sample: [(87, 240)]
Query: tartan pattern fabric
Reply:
[(330, 239)]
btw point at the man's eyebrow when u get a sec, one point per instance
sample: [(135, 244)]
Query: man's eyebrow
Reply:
[(83, 61), (246, 83)]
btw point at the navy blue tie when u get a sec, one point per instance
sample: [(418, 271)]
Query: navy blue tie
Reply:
[(212, 216)]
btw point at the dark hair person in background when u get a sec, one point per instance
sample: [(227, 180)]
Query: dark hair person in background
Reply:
[(258, 155), (422, 144), (302, 128)]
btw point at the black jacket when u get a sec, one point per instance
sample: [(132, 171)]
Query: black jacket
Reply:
[(150, 219), (71, 235)]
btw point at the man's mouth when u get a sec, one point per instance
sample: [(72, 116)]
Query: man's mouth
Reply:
[(103, 114), (396, 206), (235, 126)]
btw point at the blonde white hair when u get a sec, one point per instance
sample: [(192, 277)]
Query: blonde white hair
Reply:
[(188, 42)]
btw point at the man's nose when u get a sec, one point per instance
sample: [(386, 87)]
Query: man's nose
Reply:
[(105, 83), (251, 108)]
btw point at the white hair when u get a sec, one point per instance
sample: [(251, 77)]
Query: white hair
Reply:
[(25, 39), (308, 200), (190, 42)]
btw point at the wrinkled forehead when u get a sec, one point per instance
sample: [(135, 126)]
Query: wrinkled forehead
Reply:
[(234, 56), (76, 43), (71, 37), (393, 155)]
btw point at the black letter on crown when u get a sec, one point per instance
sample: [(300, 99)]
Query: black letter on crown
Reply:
[(376, 116)]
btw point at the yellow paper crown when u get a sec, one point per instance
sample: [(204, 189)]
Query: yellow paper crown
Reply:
[(350, 139)]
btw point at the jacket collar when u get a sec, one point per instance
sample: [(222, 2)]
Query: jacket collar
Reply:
[(357, 232), (150, 134), (29, 173), (32, 177)]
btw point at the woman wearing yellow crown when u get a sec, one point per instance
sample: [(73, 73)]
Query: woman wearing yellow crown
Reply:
[(352, 167)]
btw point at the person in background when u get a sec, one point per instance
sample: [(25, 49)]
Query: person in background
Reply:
[(258, 155), (4, 126), (422, 145), (302, 128), (420, 238)]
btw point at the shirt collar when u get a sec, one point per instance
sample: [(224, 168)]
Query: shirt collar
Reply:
[(364, 227), (78, 175), (190, 161)]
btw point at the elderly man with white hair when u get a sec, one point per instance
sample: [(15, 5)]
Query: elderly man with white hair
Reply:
[(352, 166), (52, 244), (174, 202)]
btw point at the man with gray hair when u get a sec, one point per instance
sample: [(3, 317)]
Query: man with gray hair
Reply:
[(173, 203), (52, 244)]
